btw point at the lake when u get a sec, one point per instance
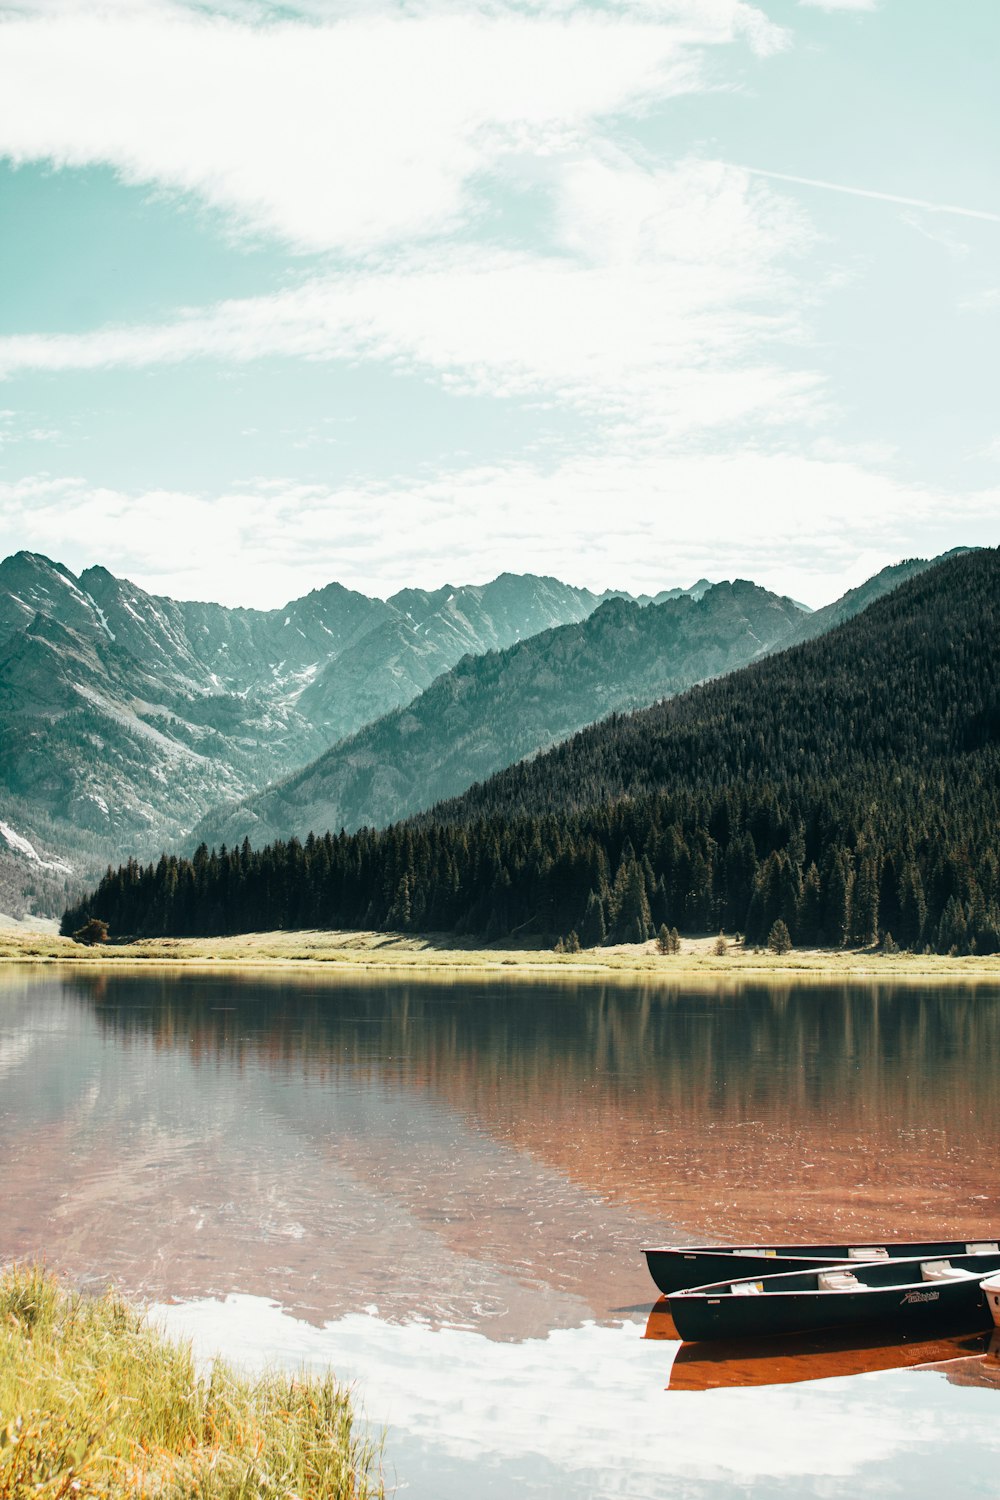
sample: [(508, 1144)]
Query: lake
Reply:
[(441, 1189)]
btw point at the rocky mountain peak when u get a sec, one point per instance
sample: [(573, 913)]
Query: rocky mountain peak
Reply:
[(125, 714)]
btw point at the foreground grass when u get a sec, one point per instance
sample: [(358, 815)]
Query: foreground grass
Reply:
[(95, 1403), (432, 955)]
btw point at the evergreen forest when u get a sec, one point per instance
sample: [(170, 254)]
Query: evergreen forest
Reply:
[(849, 787)]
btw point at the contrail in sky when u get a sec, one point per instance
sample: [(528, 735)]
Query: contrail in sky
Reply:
[(836, 187)]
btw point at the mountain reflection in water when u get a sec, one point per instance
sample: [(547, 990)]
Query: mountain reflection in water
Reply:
[(487, 1154)]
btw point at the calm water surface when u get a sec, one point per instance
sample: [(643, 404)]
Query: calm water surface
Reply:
[(442, 1191)]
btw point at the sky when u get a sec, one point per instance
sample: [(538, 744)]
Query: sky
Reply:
[(414, 292)]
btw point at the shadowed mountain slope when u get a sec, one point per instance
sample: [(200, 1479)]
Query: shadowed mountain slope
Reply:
[(490, 712), (912, 681)]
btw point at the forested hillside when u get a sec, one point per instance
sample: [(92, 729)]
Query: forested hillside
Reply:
[(850, 786), (489, 711)]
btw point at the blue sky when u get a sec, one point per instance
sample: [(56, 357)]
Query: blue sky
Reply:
[(627, 293)]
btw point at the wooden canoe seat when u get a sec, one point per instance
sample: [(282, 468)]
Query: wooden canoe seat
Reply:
[(867, 1252), (982, 1248), (837, 1281), (747, 1288)]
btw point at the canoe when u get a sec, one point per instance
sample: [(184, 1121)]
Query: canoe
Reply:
[(991, 1287), (911, 1295), (674, 1267)]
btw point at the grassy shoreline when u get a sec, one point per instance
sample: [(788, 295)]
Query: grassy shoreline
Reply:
[(96, 1402), (352, 953)]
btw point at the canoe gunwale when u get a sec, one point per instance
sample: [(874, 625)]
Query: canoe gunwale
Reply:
[(838, 1251)]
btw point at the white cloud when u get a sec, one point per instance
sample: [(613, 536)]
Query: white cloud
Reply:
[(802, 526), (840, 4), (585, 1405), (659, 307), (728, 19), (349, 134), (663, 306), (657, 301), (986, 300), (26, 427)]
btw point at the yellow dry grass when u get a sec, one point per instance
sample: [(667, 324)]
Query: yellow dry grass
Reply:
[(96, 1404), (433, 955)]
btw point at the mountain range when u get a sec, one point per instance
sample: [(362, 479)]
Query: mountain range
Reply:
[(125, 716), (131, 722), (845, 790), (493, 710)]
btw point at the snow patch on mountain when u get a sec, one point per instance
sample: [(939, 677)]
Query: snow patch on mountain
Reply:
[(21, 845)]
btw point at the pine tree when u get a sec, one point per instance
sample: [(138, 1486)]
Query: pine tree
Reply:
[(840, 899), (952, 934), (633, 923), (865, 907), (810, 924), (400, 912), (593, 931), (912, 906)]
